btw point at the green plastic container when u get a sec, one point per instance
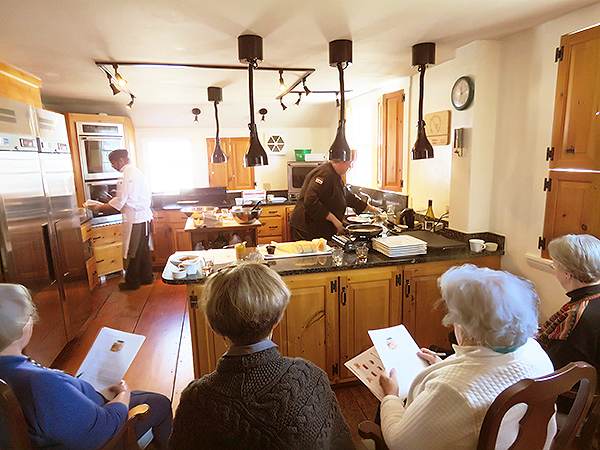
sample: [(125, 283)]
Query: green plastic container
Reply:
[(300, 152)]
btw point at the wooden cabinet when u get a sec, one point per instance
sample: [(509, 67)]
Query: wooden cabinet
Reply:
[(329, 314), (390, 141), (168, 236), (108, 248), (90, 260), (420, 313), (272, 219), (21, 86), (287, 237), (367, 299), (231, 174)]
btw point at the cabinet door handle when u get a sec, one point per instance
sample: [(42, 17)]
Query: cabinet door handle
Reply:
[(571, 149), (344, 296), (407, 292)]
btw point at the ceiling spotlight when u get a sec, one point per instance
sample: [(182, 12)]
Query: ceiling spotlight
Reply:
[(299, 98), (120, 80), (130, 104), (282, 86), (115, 89), (282, 104), (263, 112), (196, 112), (307, 90)]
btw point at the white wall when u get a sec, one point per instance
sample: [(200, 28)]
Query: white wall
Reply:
[(273, 176)]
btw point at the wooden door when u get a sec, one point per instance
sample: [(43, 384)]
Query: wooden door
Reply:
[(576, 128), (240, 177), (310, 326), (365, 298), (572, 204), (391, 152)]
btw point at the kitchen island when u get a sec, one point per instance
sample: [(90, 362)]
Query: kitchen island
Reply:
[(205, 233), (332, 307)]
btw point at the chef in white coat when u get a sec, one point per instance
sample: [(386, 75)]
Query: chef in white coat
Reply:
[(133, 200)]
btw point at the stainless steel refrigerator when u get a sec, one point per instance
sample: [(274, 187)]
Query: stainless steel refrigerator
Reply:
[(40, 237)]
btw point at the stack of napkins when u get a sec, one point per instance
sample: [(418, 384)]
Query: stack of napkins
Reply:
[(397, 246)]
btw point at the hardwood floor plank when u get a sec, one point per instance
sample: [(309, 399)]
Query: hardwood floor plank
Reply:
[(352, 412), (161, 322), (185, 364), (367, 402)]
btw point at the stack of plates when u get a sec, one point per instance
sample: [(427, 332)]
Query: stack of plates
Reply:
[(397, 246)]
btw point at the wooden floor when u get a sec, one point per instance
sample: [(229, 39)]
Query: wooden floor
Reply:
[(164, 363)]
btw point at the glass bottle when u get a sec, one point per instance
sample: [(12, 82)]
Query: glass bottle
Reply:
[(429, 212), (220, 241)]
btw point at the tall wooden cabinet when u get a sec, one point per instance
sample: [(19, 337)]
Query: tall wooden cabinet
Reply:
[(390, 141), (231, 174), (573, 182)]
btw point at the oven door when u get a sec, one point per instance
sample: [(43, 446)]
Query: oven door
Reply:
[(101, 191), (94, 156)]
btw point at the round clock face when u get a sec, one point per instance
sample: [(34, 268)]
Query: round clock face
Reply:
[(462, 93)]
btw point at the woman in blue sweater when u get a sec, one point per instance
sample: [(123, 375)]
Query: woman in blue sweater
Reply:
[(62, 411)]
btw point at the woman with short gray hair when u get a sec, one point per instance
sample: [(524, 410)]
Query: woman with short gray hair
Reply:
[(494, 315), (573, 332), (256, 398)]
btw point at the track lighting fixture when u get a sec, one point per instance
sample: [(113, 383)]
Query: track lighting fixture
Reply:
[(196, 112), (120, 80), (263, 112), (306, 90), (282, 86), (282, 104), (115, 90), (130, 104), (250, 52), (299, 98)]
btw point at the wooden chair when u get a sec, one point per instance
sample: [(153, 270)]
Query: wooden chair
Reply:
[(540, 394), (18, 436), (370, 430), (590, 429)]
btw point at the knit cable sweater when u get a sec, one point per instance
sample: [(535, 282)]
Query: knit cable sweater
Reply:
[(447, 402), (261, 401)]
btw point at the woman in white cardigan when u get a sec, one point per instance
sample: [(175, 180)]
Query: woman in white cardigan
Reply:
[(494, 315)]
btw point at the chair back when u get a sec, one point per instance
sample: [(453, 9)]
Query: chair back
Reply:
[(540, 394), (13, 420)]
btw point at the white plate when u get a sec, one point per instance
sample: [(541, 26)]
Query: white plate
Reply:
[(360, 219)]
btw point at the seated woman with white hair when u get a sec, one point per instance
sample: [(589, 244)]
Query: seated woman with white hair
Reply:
[(494, 315), (256, 398), (61, 411), (573, 333)]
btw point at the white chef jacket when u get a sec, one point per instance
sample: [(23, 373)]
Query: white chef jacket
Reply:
[(133, 200)]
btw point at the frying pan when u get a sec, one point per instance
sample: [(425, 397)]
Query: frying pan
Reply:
[(364, 231)]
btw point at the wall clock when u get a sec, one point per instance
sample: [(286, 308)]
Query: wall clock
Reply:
[(462, 93)]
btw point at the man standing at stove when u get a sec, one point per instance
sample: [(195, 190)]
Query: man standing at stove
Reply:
[(133, 200)]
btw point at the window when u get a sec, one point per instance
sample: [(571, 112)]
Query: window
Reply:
[(360, 137), (169, 164)]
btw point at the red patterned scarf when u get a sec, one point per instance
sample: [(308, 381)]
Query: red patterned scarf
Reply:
[(560, 325)]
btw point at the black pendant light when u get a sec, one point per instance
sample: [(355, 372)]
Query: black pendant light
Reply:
[(215, 95), (250, 51), (340, 56), (422, 55)]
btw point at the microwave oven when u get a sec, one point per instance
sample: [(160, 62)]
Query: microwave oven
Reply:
[(296, 173), (96, 141)]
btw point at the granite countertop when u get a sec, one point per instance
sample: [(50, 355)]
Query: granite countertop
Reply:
[(315, 264)]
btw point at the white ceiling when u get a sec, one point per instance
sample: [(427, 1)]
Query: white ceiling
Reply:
[(59, 40)]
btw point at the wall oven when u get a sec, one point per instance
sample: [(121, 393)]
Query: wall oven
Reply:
[(102, 191), (296, 173), (96, 141)]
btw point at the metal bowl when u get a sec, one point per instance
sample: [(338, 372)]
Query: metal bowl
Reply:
[(199, 210), (245, 214)]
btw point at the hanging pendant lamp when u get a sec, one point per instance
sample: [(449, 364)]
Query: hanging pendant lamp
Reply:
[(215, 95), (340, 56), (422, 55), (250, 52)]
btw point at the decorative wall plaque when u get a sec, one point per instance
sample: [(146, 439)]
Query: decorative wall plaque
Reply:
[(437, 127)]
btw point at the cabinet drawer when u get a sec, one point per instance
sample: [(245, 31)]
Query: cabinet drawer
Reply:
[(86, 231), (105, 235), (109, 258), (271, 211), (270, 226), (176, 217)]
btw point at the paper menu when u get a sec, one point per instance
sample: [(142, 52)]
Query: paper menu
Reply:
[(368, 367), (397, 349), (109, 358)]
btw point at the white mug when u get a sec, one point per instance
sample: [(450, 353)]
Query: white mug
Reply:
[(477, 245)]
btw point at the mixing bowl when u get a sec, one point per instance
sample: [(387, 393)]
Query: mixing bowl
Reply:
[(245, 214), (197, 210)]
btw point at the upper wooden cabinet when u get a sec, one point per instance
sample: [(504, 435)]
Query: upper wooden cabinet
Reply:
[(390, 139), (18, 85), (231, 174), (576, 131)]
